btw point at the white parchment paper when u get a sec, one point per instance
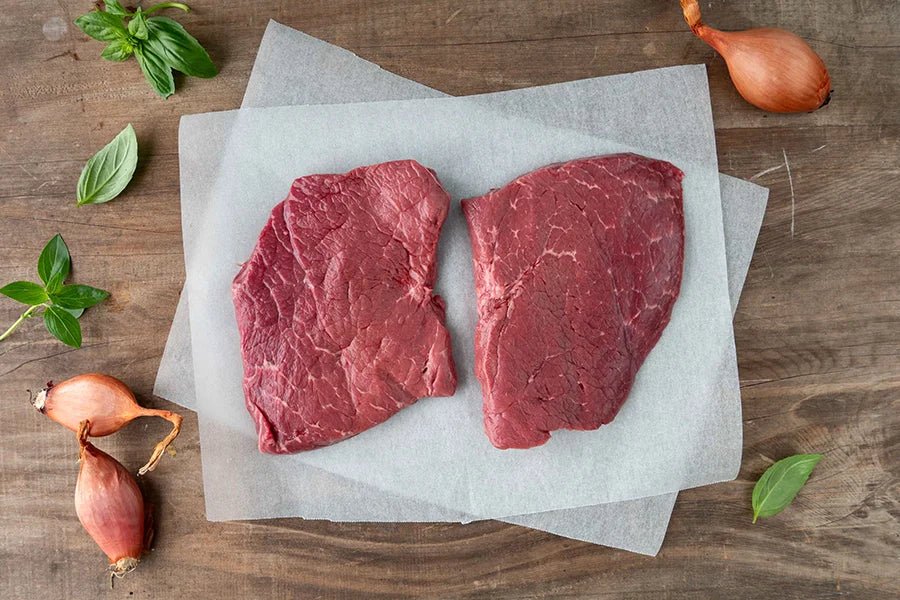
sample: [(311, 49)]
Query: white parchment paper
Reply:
[(636, 525), (681, 427)]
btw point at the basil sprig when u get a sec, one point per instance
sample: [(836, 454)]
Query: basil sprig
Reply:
[(159, 44), (62, 304), (778, 486), (109, 171)]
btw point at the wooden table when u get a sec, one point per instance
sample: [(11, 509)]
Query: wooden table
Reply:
[(818, 328)]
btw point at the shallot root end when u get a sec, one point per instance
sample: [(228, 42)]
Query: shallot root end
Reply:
[(122, 568), (38, 400)]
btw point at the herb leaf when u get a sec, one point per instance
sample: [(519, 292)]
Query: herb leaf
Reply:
[(108, 172), (63, 326), (78, 296), (137, 26), (778, 486), (179, 49), (114, 7), (75, 312), (63, 304), (117, 51), (101, 26), (54, 262), (159, 44), (55, 282), (157, 72), (25, 292)]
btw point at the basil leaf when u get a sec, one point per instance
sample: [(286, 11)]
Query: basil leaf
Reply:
[(114, 7), (55, 282), (108, 172), (25, 292), (778, 486), (179, 49), (101, 26), (54, 262), (137, 26), (63, 326), (157, 72), (117, 51), (78, 296), (75, 312)]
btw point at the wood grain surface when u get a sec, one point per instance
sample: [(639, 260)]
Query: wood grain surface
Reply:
[(818, 328)]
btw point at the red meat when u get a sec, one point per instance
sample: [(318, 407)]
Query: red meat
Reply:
[(339, 326), (577, 267)]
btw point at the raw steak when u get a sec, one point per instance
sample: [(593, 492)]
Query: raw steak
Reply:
[(339, 327), (577, 267)]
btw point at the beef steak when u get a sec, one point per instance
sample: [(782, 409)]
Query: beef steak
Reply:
[(577, 267), (339, 326)]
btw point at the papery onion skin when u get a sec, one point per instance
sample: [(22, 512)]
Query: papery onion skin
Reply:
[(111, 508), (107, 403), (772, 69)]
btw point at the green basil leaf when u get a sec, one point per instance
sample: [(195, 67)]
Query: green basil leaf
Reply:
[(114, 7), (55, 282), (778, 486), (117, 51), (54, 262), (75, 312), (25, 292), (179, 49), (137, 26), (63, 326), (78, 296), (108, 172), (101, 26), (157, 72)]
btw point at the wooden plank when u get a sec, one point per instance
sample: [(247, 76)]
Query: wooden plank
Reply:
[(817, 329)]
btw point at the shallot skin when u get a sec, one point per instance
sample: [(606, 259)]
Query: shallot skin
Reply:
[(107, 404), (772, 69), (111, 508), (106, 401)]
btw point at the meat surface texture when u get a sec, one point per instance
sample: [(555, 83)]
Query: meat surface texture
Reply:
[(577, 268), (339, 326)]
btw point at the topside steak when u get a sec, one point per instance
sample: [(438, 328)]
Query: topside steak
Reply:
[(339, 327), (577, 267)]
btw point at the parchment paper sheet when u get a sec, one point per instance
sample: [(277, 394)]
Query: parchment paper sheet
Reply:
[(637, 525), (681, 426)]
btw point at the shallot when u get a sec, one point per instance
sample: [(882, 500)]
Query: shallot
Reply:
[(111, 508), (106, 403), (772, 69)]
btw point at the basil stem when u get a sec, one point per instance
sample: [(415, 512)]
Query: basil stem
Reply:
[(183, 7), (25, 315)]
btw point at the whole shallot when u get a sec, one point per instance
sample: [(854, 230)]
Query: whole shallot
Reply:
[(772, 69), (111, 508), (106, 403)]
